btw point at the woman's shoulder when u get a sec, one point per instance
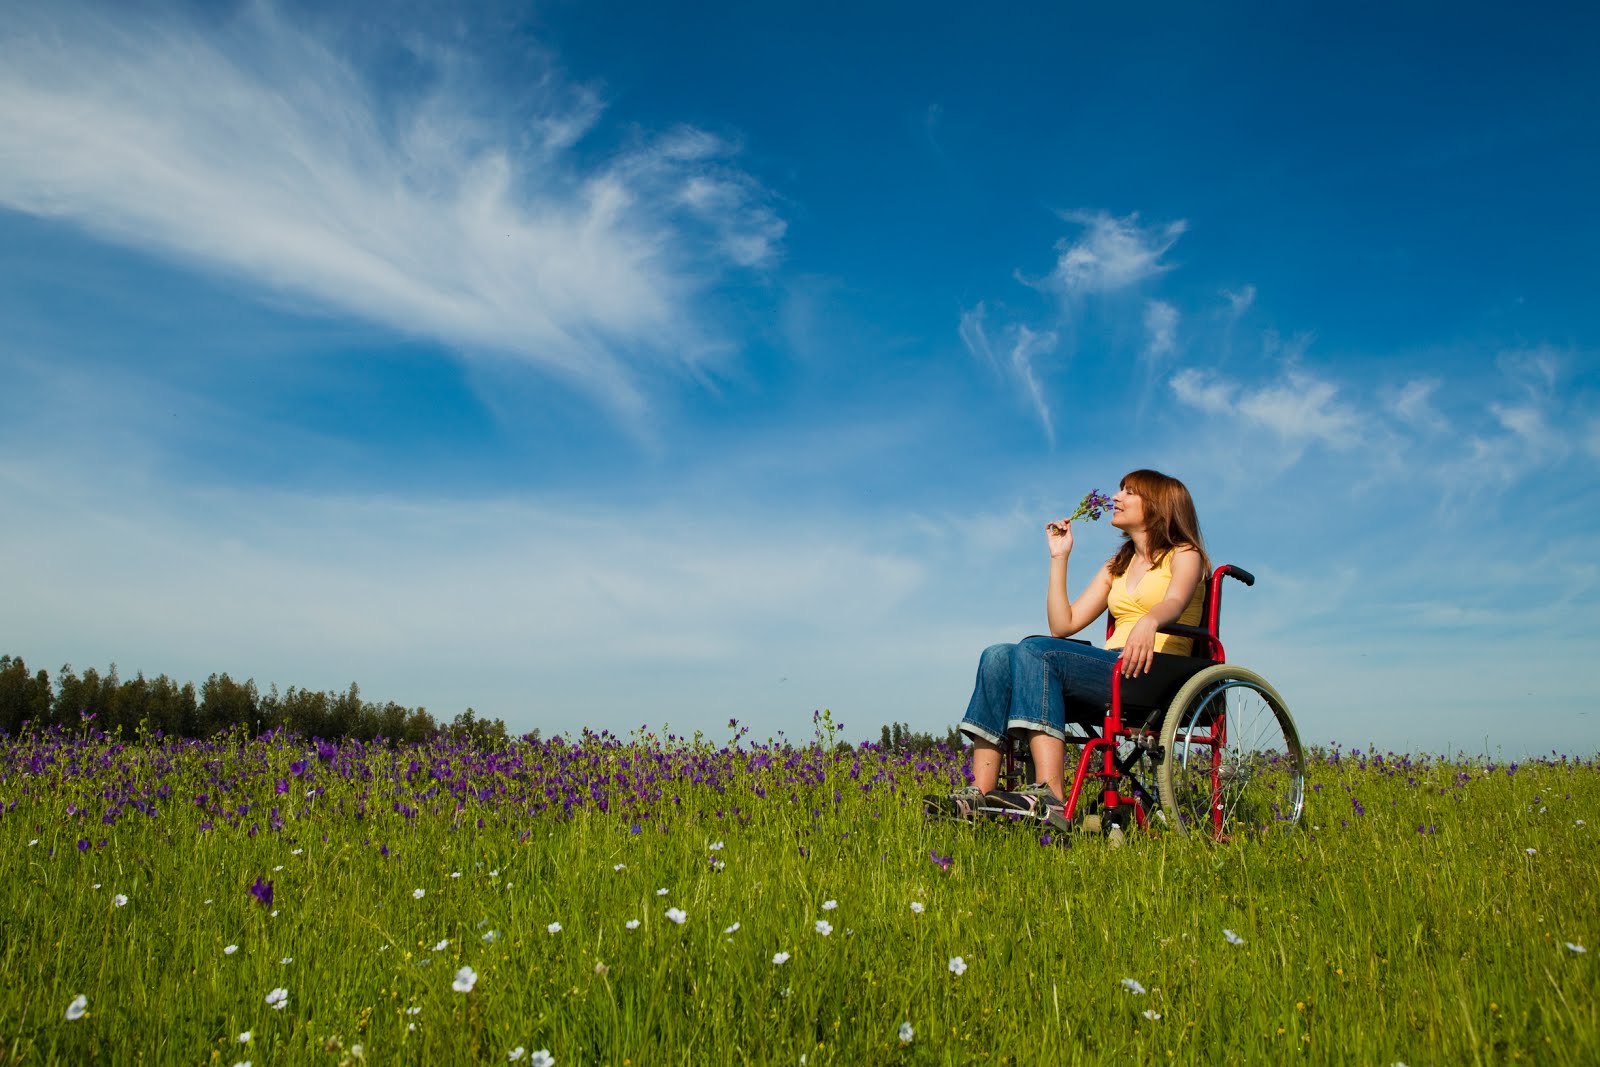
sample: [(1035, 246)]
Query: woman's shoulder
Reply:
[(1177, 552)]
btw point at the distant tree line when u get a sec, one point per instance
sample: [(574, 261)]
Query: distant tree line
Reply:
[(898, 737), (143, 705)]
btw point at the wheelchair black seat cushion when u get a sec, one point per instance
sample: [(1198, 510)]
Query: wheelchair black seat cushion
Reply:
[(1155, 688)]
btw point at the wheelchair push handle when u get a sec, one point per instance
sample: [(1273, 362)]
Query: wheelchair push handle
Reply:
[(1240, 573)]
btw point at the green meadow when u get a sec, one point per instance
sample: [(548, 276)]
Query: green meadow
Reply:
[(652, 900)]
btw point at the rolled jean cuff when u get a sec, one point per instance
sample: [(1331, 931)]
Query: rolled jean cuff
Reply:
[(982, 733), (1035, 726)]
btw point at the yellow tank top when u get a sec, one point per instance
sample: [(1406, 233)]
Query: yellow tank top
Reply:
[(1128, 608)]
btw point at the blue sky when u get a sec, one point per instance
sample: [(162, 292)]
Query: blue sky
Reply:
[(608, 364)]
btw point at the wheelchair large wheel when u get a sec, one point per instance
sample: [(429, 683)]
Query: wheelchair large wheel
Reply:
[(1230, 757)]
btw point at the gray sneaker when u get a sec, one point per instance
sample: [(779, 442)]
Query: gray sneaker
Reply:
[(962, 804), (1030, 799)]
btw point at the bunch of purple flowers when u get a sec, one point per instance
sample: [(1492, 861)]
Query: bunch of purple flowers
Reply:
[(1092, 506)]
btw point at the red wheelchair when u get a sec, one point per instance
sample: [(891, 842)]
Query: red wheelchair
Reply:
[(1216, 740)]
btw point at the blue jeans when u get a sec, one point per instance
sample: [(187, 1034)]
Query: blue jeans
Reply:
[(1028, 687)]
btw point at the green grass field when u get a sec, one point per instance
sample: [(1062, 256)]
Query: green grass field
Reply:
[(1427, 911)]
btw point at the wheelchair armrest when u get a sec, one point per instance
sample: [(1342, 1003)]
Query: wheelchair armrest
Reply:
[(1185, 630)]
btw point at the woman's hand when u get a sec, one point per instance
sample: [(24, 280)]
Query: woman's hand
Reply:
[(1059, 534), (1139, 652)]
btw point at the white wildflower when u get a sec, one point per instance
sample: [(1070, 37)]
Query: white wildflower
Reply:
[(958, 966), (780, 958), (553, 928), (1132, 985), (677, 915), (78, 1008), (1231, 937), (278, 999), (906, 1033), (466, 978), (824, 927)]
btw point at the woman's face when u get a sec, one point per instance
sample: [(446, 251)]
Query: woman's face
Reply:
[(1127, 510)]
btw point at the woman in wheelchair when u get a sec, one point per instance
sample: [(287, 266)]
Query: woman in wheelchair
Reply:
[(1034, 688)]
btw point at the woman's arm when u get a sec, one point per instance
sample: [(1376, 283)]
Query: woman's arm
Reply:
[(1140, 650), (1067, 616)]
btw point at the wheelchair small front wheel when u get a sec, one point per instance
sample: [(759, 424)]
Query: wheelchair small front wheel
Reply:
[(1230, 756)]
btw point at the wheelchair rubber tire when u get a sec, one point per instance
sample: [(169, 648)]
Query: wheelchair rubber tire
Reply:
[(1259, 782)]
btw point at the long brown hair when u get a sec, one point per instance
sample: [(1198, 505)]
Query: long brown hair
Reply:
[(1169, 521)]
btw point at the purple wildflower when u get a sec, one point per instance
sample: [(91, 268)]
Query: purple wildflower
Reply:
[(944, 862), (262, 891)]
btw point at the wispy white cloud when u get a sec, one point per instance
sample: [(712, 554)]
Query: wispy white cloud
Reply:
[(1111, 253), (1161, 332), (1412, 404), (1204, 391), (1027, 345), (251, 147), (1298, 408), (1239, 300), (1531, 425), (975, 334)]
